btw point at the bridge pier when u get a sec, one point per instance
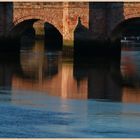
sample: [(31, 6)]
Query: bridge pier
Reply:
[(67, 37), (6, 18), (39, 29), (72, 11)]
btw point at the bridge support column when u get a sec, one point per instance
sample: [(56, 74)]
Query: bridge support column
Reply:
[(98, 21), (68, 39), (6, 18), (72, 11), (39, 28)]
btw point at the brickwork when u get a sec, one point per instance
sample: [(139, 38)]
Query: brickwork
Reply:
[(52, 14), (99, 18), (71, 12), (63, 16), (131, 10)]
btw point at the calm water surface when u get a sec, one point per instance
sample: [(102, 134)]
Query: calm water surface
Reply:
[(44, 94)]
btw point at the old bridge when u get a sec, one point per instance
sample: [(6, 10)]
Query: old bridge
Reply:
[(101, 20)]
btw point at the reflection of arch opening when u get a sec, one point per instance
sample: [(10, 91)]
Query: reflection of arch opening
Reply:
[(129, 27), (38, 66), (53, 38)]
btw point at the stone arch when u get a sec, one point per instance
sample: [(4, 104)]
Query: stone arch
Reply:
[(34, 18), (24, 26), (21, 19), (16, 30), (117, 31), (132, 14)]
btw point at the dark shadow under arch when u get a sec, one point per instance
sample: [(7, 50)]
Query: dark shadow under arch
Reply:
[(24, 27), (53, 38), (128, 27), (22, 33)]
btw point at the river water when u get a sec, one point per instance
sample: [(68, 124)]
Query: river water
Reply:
[(45, 94)]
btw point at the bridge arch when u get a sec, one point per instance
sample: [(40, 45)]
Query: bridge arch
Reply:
[(131, 13), (31, 19), (20, 27), (52, 35), (126, 26)]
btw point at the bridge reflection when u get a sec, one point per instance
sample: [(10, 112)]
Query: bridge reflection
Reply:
[(45, 71), (36, 69)]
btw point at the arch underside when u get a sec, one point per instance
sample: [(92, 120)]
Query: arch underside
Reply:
[(25, 29), (129, 24), (18, 29), (23, 23)]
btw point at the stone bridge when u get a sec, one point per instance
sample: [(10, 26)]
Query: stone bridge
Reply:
[(111, 20), (101, 20)]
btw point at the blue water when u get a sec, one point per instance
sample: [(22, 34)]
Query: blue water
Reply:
[(42, 116)]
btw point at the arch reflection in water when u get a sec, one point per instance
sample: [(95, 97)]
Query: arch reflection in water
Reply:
[(44, 71), (106, 78), (37, 69), (130, 69), (37, 63), (82, 79), (103, 76)]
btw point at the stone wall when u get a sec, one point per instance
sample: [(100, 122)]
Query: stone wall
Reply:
[(71, 12), (131, 10)]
